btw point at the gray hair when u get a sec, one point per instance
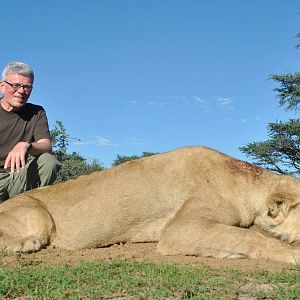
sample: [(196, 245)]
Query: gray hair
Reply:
[(17, 68)]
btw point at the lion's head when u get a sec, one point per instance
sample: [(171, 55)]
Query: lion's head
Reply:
[(282, 217), (289, 228)]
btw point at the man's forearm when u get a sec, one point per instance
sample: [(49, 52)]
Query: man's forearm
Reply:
[(39, 147)]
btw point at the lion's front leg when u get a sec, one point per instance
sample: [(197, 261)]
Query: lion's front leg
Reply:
[(23, 245), (25, 228), (206, 238)]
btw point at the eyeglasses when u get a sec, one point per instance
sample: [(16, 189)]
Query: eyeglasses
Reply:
[(17, 86)]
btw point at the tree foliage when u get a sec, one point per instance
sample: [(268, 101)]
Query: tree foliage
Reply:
[(73, 165), (60, 141), (120, 159), (281, 152), (289, 90)]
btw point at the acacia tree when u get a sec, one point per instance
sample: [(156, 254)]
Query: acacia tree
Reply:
[(281, 152), (289, 90)]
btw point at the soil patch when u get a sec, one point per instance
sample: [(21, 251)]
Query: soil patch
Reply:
[(134, 252)]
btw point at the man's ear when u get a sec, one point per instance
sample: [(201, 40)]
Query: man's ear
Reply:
[(1, 87), (279, 204)]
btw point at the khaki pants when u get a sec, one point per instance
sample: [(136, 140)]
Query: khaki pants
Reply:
[(39, 171)]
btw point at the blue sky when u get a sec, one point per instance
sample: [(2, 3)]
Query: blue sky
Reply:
[(128, 76)]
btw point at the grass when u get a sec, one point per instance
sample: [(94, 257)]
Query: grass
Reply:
[(118, 279)]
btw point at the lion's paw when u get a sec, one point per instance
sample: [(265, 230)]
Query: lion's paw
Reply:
[(26, 245)]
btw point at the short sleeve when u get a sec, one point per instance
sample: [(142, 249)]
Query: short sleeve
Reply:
[(41, 130)]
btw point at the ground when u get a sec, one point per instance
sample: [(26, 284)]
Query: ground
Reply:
[(134, 252)]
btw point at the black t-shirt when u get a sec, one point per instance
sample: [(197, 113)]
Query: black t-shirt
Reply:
[(27, 124)]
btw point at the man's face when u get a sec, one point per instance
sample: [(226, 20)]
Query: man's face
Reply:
[(15, 99)]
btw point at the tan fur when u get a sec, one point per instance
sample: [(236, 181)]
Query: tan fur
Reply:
[(193, 201)]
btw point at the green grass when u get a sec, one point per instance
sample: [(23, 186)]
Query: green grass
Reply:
[(132, 280)]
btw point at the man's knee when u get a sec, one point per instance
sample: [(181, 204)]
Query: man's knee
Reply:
[(48, 162), (48, 166)]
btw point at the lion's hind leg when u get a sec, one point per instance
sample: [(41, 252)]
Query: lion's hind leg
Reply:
[(25, 228)]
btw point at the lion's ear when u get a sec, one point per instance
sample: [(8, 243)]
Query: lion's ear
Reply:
[(280, 204), (277, 207)]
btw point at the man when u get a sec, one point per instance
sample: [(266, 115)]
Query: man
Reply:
[(25, 146)]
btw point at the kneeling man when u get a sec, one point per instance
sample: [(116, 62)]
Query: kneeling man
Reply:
[(25, 146)]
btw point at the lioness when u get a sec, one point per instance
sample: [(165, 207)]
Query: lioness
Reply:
[(193, 201)]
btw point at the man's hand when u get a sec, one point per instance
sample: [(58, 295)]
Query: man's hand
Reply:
[(16, 157)]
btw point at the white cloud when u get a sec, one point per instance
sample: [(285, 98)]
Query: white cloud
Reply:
[(200, 100), (80, 142), (134, 102), (180, 98), (98, 141), (104, 142), (225, 103), (156, 103)]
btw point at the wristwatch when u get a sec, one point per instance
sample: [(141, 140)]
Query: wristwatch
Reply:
[(29, 146)]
